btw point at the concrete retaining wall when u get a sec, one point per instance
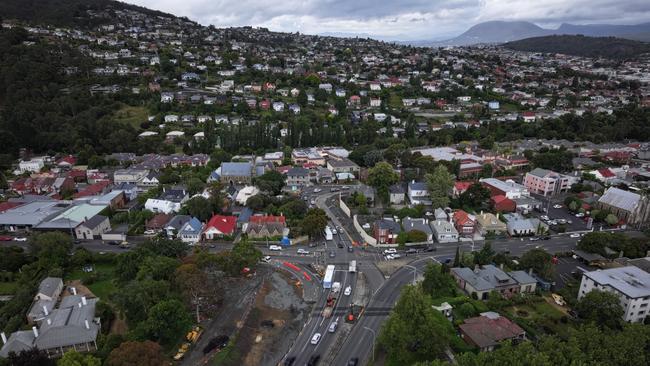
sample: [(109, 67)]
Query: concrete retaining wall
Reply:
[(367, 238)]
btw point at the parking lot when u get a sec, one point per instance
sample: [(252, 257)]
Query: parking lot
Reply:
[(559, 214), (569, 269)]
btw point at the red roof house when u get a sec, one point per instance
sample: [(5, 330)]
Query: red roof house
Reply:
[(488, 330), (502, 203), (219, 226), (460, 187), (465, 223)]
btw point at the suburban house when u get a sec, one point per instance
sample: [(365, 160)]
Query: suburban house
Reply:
[(418, 193), (343, 166), (71, 326), (489, 223), (34, 165), (92, 228), (265, 226), (509, 188), (236, 173), (219, 226), (174, 225), (465, 223), (488, 330), (520, 226), (631, 284), (386, 231), (397, 194), (129, 175), (629, 207), (190, 232), (548, 183), (45, 299), (158, 222), (410, 224), (501, 203), (444, 231), (483, 280), (169, 201)]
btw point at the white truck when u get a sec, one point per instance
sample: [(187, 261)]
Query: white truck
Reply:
[(336, 287), (353, 266), (328, 233)]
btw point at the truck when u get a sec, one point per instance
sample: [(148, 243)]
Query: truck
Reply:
[(353, 266), (328, 233), (336, 287), (329, 306), (329, 276)]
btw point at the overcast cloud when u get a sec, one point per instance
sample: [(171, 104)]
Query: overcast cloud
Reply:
[(398, 19)]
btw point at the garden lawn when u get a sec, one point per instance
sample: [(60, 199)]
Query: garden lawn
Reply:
[(8, 288), (99, 281), (540, 317)]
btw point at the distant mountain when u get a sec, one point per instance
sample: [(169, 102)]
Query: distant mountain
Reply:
[(67, 12), (504, 31), (607, 47)]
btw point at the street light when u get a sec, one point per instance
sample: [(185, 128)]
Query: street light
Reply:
[(415, 272), (373, 342)]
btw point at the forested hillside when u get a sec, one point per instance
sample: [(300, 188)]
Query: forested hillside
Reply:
[(608, 47)]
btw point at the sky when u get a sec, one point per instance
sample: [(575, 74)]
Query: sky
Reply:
[(398, 19)]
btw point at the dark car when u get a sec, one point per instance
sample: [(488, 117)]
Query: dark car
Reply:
[(411, 251), (546, 238), (332, 254), (313, 360), (113, 242), (350, 249), (340, 245), (430, 248), (353, 361), (289, 361), (216, 343)]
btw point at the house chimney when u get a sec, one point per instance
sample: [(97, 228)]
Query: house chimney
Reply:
[(74, 290), (476, 268), (45, 310), (501, 266), (49, 321), (4, 337), (530, 271), (86, 323), (83, 300), (35, 330)]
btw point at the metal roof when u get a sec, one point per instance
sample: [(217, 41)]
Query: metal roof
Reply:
[(631, 281), (621, 199)]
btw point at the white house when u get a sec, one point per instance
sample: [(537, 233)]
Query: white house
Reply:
[(161, 206), (33, 165), (631, 284), (418, 193)]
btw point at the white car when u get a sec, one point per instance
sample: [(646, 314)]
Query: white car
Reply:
[(149, 232), (580, 214), (315, 339), (302, 251), (316, 190), (267, 258), (557, 206), (396, 256), (275, 247), (20, 238), (390, 251), (389, 257), (333, 325), (334, 232), (347, 291), (575, 235)]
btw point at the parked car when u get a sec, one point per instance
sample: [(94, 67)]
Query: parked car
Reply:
[(5, 238), (315, 338), (557, 206), (575, 235), (275, 247), (430, 248), (332, 254), (302, 251), (533, 238), (350, 249), (353, 361), (267, 258), (411, 251), (580, 214), (20, 238), (390, 251), (390, 256), (317, 190), (149, 232), (397, 255)]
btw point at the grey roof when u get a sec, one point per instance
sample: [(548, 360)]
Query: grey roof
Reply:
[(396, 189), (236, 169), (18, 341), (521, 225), (33, 213), (621, 199), (410, 224), (297, 172), (49, 285), (522, 277), (486, 278), (342, 163), (66, 325), (173, 195), (178, 221), (94, 221), (539, 172), (631, 281), (418, 186), (388, 225), (36, 312)]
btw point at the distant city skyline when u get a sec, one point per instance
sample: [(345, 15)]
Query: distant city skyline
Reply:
[(398, 20)]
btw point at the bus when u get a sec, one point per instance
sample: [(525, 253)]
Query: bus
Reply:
[(329, 276), (328, 233), (353, 266)]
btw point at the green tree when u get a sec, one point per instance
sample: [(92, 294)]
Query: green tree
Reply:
[(198, 207), (439, 184), (540, 261), (74, 358), (302, 98), (485, 255), (194, 185), (437, 282), (416, 236), (314, 222), (382, 176), (32, 357), (457, 257), (270, 182), (157, 268), (414, 331), (166, 321), (611, 219), (474, 197), (132, 353), (52, 249), (603, 308), (137, 298)]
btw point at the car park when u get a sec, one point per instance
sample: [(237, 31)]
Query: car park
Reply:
[(275, 247), (315, 338)]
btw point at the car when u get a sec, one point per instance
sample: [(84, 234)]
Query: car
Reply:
[(340, 245), (334, 189), (149, 232), (557, 206), (112, 242), (332, 254), (125, 245), (333, 325), (575, 235), (20, 238), (397, 256), (315, 338), (353, 361), (5, 238), (334, 232), (546, 238), (544, 218), (317, 190), (216, 343), (302, 251), (347, 291), (580, 214), (533, 238), (389, 257), (275, 247), (313, 360), (289, 361), (390, 251), (430, 248), (411, 251), (448, 260), (350, 249), (345, 187), (312, 202), (266, 258)]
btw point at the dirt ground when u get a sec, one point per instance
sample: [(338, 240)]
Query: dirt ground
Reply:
[(387, 268), (81, 289), (273, 323)]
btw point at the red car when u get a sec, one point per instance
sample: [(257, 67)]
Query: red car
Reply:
[(5, 238)]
